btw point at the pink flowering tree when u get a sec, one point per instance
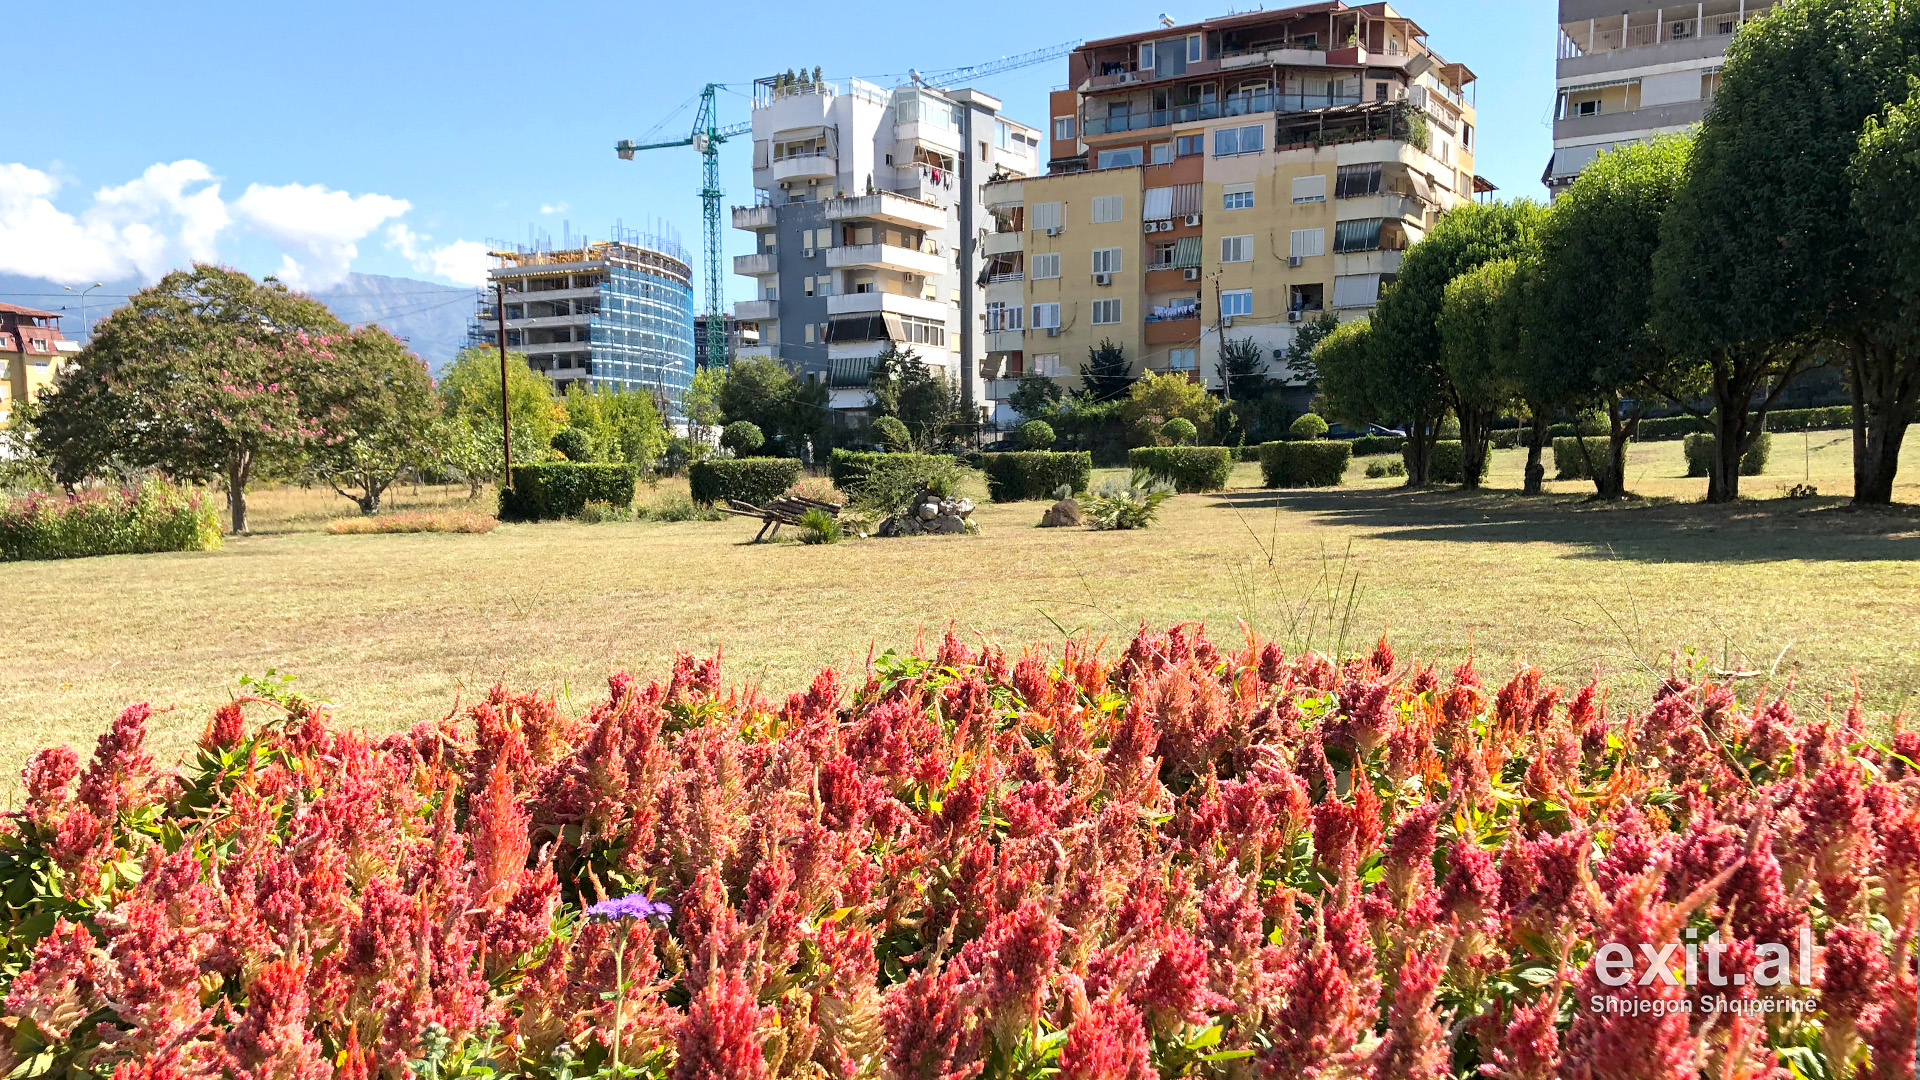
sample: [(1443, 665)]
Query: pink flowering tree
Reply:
[(379, 415)]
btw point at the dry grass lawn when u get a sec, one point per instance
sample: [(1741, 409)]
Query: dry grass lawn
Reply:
[(393, 627)]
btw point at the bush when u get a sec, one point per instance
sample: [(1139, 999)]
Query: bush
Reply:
[(1448, 463), (677, 507), (1036, 434), (819, 527), (1307, 426), (756, 480), (413, 523), (1504, 438), (1672, 427), (1831, 418), (1568, 464), (1320, 463), (561, 489), (1133, 506), (892, 434), (1179, 431), (892, 479), (1699, 448), (819, 489), (742, 437), (573, 444), (599, 513), (1371, 445), (1377, 469), (694, 784), (156, 516), (1035, 474), (849, 467), (1185, 468)]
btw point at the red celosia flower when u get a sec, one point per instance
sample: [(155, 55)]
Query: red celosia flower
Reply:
[(1107, 1043), (272, 1041), (720, 1039)]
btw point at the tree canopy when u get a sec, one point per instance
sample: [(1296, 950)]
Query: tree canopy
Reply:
[(380, 424)]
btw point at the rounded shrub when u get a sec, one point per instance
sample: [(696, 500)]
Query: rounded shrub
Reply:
[(573, 444), (1308, 426), (1036, 434), (1179, 431), (1701, 447), (892, 435), (742, 437), (1448, 465)]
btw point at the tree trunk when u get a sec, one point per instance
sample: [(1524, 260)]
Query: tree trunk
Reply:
[(1855, 386), (1613, 484), (1886, 398), (1418, 452), (1536, 472), (369, 504), (1723, 472), (1473, 447), (237, 470), (1886, 429)]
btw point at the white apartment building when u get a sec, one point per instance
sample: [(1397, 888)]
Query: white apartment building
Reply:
[(866, 226), (1630, 71)]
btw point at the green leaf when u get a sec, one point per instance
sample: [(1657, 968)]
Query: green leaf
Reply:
[(1226, 1055), (1209, 1037)]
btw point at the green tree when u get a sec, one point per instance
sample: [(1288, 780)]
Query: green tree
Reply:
[(1305, 340), (701, 402), (1476, 345), (1307, 426), (470, 395), (1106, 374), (892, 435), (1589, 331), (904, 388), (1763, 266), (621, 426), (742, 437), (1245, 365), (1885, 358), (767, 394), (1348, 367), (1035, 396), (1156, 399), (206, 375), (381, 421), (1410, 381)]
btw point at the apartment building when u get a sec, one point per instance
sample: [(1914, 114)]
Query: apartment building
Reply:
[(615, 313), (1231, 178), (1629, 71), (866, 226), (32, 350), (735, 333)]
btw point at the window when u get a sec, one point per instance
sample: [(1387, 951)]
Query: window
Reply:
[(1107, 208), (1046, 316), (809, 333), (1234, 249), (824, 286), (1380, 91), (1146, 56), (1003, 134), (1357, 181), (1106, 312), (1001, 316), (1587, 108), (1119, 159), (1063, 129), (823, 238), (1306, 243), (1466, 137), (1182, 359), (1310, 189), (1161, 153), (1189, 145), (1356, 290), (1047, 364), (1236, 302), (1236, 197), (1106, 260), (1241, 140), (1162, 257), (1195, 48), (1048, 215), (1046, 266), (1361, 235)]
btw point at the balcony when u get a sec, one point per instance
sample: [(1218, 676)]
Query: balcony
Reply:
[(753, 217), (888, 207), (757, 352), (756, 310), (756, 265), (1002, 243), (1005, 341), (850, 372), (1654, 118), (869, 303), (886, 257), (821, 166)]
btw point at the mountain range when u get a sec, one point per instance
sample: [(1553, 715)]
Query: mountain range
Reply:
[(431, 318)]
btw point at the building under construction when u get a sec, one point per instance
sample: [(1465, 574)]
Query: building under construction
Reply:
[(615, 313)]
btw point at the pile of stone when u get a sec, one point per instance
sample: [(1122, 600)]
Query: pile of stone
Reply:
[(1062, 515), (929, 513)]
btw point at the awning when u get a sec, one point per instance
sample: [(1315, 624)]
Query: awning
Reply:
[(1356, 290), (896, 330), (1159, 204), (1186, 200), (856, 328), (1186, 251)]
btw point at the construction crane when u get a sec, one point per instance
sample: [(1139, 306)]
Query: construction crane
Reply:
[(706, 137)]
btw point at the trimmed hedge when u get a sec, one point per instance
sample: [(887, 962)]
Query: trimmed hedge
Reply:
[(1448, 463), (1567, 462), (1700, 447), (1369, 445), (156, 516), (758, 480), (848, 467), (561, 489), (1319, 463), (1187, 468), (1667, 427), (1827, 419), (1035, 474)]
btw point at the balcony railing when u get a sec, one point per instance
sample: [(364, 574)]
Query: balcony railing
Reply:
[(1173, 314), (1015, 275)]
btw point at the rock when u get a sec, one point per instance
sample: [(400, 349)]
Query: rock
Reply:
[(929, 511), (964, 507), (947, 524), (1063, 514)]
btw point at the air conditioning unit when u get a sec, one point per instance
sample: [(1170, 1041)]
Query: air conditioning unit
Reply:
[(1192, 220), (1226, 322), (1191, 273), (1053, 331), (806, 253), (1053, 230), (1295, 260), (1103, 279), (1166, 226), (1152, 227), (1294, 315)]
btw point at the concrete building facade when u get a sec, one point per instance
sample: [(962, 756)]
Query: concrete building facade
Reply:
[(1228, 179), (32, 349), (866, 227), (615, 314), (1629, 70)]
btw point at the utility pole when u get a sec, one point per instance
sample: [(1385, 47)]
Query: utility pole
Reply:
[(1220, 330), (506, 426)]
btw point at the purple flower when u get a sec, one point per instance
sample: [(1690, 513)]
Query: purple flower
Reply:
[(633, 906)]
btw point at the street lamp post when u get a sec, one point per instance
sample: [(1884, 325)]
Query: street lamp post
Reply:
[(85, 326)]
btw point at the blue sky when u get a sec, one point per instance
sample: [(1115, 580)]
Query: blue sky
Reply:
[(398, 138)]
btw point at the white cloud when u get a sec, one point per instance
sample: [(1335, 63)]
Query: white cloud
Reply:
[(463, 262), (170, 215), (316, 229), (553, 208)]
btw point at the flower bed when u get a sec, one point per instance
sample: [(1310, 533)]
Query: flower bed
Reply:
[(155, 516), (1223, 862)]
